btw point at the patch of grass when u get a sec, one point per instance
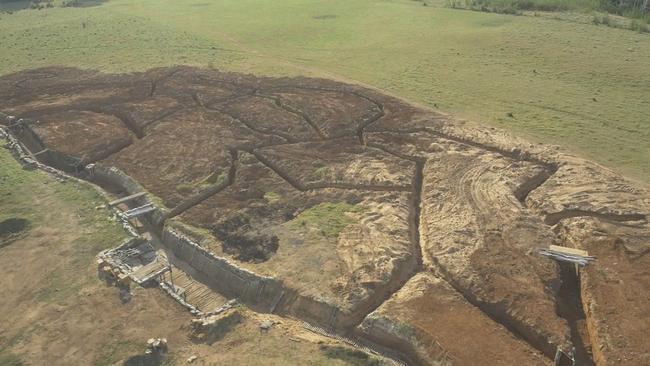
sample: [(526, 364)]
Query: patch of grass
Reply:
[(116, 351), (473, 65), (327, 219), (95, 230), (213, 179), (9, 359), (321, 172), (271, 196), (351, 356)]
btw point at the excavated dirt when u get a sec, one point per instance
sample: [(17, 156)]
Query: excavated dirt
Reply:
[(420, 229)]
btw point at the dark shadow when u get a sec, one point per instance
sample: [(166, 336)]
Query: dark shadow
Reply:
[(83, 3), (14, 5), (12, 229)]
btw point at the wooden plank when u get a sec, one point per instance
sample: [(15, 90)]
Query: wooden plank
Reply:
[(28, 152), (570, 251), (41, 152), (127, 198)]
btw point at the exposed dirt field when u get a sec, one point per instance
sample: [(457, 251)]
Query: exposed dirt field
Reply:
[(360, 201)]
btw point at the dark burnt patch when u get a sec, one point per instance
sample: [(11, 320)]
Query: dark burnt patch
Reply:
[(241, 240)]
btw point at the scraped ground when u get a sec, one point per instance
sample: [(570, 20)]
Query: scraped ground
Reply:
[(362, 201)]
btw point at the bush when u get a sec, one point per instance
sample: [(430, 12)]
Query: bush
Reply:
[(601, 19), (628, 8), (596, 19), (639, 26)]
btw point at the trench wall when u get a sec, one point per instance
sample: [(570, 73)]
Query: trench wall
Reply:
[(114, 178), (251, 288)]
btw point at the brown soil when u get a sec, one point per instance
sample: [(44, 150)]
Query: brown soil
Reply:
[(434, 334), (256, 163)]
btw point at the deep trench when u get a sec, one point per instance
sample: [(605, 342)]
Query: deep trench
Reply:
[(569, 307), (554, 218)]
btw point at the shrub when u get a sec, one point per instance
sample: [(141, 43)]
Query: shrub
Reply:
[(605, 20)]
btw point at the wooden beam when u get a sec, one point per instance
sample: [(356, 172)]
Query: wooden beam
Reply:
[(125, 199), (41, 152), (570, 251)]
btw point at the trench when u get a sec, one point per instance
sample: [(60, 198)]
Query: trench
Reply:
[(365, 120), (161, 117), (569, 307), (127, 121), (286, 137), (554, 218), (412, 267), (514, 154), (278, 102), (105, 153), (154, 83), (208, 192), (523, 191), (495, 311)]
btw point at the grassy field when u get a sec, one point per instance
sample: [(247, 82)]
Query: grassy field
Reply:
[(582, 86)]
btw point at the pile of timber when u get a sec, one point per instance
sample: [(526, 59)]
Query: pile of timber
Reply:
[(564, 254)]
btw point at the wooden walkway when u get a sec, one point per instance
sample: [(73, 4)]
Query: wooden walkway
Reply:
[(150, 270), (194, 292)]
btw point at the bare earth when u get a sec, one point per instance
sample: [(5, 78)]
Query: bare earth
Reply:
[(421, 231)]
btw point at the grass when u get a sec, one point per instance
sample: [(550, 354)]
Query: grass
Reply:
[(271, 197), (327, 219), (214, 179), (9, 359), (351, 357), (22, 194), (581, 86), (42, 200), (114, 351)]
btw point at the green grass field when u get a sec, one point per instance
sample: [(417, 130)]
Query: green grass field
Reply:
[(582, 86)]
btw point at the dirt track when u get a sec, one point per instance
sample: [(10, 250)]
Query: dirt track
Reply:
[(434, 212)]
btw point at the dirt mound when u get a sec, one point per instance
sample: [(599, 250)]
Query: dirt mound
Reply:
[(360, 201)]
